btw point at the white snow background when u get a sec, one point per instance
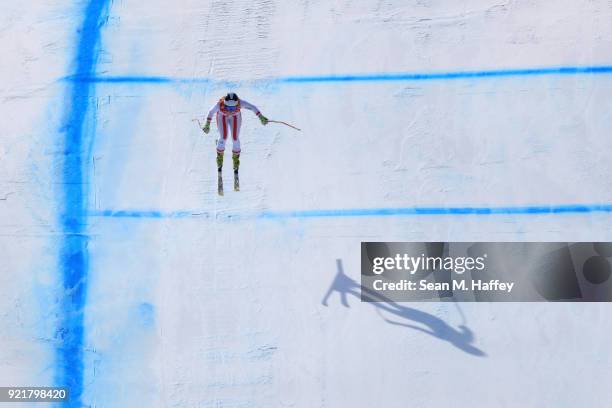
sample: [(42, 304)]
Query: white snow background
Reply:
[(196, 300)]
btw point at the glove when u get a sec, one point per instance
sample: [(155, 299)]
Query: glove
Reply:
[(206, 127), (263, 119)]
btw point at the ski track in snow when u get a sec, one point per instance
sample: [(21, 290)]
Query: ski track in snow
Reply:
[(250, 300)]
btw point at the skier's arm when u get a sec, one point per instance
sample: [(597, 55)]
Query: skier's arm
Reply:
[(253, 108), (211, 112)]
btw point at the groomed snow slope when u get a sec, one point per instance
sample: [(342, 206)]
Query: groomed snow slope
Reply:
[(194, 300)]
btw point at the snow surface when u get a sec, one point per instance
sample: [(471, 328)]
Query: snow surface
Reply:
[(196, 300)]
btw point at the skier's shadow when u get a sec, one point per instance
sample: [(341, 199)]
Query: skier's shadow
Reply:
[(462, 338)]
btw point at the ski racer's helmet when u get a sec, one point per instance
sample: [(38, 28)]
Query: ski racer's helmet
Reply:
[(231, 99)]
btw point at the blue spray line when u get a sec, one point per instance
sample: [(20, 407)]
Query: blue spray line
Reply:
[(73, 254), (375, 77), (567, 70), (360, 212), (432, 211)]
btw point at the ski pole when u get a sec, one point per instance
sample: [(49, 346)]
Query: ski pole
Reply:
[(197, 120), (284, 123)]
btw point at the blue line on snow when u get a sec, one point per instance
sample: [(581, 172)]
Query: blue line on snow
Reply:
[(142, 214), (73, 255), (415, 211), (130, 79), (366, 212), (408, 76), (453, 75)]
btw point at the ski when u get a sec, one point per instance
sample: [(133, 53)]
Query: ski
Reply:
[(236, 182), (220, 184)]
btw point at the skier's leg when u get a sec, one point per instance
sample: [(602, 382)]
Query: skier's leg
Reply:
[(222, 127), (237, 122), (219, 161), (236, 160)]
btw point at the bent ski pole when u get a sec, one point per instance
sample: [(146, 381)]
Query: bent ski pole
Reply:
[(197, 120), (284, 123)]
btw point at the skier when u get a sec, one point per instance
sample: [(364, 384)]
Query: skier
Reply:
[(229, 117)]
